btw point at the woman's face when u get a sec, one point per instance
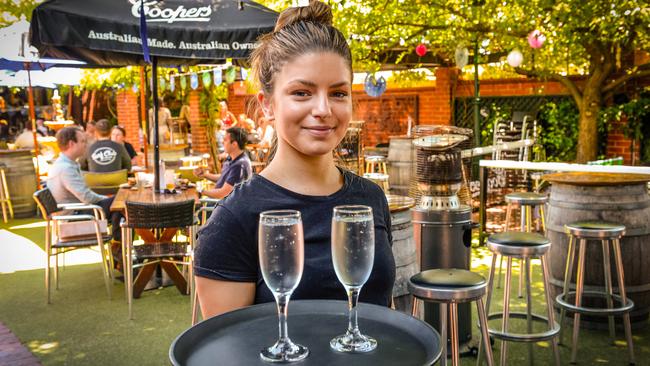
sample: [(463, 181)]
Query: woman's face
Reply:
[(311, 103), (117, 136)]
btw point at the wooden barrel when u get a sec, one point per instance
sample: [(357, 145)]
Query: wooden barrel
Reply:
[(626, 203), (404, 250), (21, 179), (400, 164)]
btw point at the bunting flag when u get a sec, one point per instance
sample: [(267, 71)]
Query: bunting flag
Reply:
[(183, 83), (231, 74), (135, 88), (194, 81), (207, 80), (218, 77), (162, 83), (172, 83)]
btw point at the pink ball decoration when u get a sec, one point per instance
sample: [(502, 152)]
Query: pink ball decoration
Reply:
[(515, 58), (536, 39), (421, 49)]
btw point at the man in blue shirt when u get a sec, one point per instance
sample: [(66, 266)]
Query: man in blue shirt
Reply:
[(236, 168)]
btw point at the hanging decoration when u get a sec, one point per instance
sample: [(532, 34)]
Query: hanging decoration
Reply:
[(172, 83), (207, 80), (183, 82), (374, 87), (461, 56), (515, 58), (231, 74), (194, 81), (536, 39), (218, 77), (420, 50), (135, 88), (244, 73), (162, 83)]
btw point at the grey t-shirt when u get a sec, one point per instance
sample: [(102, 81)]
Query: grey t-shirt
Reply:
[(105, 156)]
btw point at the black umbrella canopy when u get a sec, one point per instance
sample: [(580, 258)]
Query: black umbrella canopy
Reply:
[(105, 33)]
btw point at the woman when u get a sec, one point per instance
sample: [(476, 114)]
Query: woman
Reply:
[(304, 70), (228, 118), (118, 134)]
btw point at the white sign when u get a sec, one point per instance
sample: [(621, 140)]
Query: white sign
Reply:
[(155, 13)]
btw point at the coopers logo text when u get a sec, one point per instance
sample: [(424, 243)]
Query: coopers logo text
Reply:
[(168, 15)]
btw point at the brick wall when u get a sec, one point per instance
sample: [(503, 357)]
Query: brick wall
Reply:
[(619, 145), (199, 137), (128, 116)]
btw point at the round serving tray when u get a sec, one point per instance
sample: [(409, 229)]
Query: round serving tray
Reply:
[(236, 338)]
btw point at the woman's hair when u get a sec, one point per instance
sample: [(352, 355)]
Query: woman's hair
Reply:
[(121, 129), (298, 31)]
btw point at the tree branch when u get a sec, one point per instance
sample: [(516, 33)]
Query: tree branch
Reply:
[(570, 85), (641, 71)]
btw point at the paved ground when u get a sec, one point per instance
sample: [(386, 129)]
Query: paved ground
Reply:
[(12, 352)]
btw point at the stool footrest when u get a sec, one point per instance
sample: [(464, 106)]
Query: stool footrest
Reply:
[(524, 337), (624, 308)]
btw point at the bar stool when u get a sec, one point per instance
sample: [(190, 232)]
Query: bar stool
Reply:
[(380, 179), (449, 287), (528, 202), (525, 246), (376, 164), (5, 198), (606, 232)]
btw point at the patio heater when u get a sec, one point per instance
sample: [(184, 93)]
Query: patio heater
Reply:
[(442, 225)]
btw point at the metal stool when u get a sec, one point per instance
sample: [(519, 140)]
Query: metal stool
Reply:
[(527, 201), (607, 233), (5, 198), (376, 162), (380, 179), (526, 246), (451, 287)]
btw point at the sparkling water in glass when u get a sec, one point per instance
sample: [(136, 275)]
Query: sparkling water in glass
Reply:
[(282, 256), (353, 255)]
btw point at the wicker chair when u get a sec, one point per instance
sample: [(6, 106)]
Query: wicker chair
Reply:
[(64, 233), (106, 182), (161, 250)]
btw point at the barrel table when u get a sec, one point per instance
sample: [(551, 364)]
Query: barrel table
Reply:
[(21, 179), (619, 198), (404, 250)]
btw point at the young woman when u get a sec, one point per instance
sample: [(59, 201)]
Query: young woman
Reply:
[(304, 71), (118, 134)]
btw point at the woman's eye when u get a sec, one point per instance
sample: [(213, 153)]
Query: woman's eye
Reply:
[(300, 93), (340, 94)]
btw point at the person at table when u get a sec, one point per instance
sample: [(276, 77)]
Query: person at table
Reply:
[(105, 155), (66, 182), (227, 118), (304, 71), (118, 134), (236, 169), (90, 132)]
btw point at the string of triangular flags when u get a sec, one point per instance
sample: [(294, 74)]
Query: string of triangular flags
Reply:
[(215, 75)]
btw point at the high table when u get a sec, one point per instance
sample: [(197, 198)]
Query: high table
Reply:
[(147, 195)]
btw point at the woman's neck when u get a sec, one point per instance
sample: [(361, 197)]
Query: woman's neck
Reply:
[(308, 175)]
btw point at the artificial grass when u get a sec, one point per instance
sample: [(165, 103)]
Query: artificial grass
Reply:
[(83, 327)]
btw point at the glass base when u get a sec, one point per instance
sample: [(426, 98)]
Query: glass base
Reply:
[(286, 351), (353, 343)]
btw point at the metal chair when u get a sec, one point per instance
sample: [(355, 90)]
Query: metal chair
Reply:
[(105, 182), (5, 198), (160, 249), (525, 246), (449, 287), (607, 233), (64, 233)]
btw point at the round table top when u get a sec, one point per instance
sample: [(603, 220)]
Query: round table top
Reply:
[(596, 179), (398, 203)]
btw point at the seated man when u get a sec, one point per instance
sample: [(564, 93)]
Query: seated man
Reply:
[(105, 155), (236, 168), (66, 182)]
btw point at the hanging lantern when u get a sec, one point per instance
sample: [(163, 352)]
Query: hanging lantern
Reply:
[(218, 76), (231, 74), (462, 56), (536, 39), (172, 83), (194, 81), (183, 82), (515, 58), (162, 83), (420, 50), (207, 80)]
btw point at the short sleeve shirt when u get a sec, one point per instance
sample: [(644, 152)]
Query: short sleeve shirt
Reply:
[(235, 171), (227, 247)]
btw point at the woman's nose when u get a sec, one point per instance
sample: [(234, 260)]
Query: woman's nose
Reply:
[(322, 106)]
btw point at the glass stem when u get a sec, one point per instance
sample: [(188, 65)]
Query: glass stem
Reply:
[(282, 301), (353, 298)]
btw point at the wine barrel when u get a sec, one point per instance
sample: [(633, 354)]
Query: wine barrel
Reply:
[(400, 164), (404, 250), (21, 179), (624, 202)]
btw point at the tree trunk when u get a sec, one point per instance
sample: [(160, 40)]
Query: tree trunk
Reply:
[(588, 126)]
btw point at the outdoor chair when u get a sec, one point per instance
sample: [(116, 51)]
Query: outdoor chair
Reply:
[(106, 182), (67, 232), (157, 224)]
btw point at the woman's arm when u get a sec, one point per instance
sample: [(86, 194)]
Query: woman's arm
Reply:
[(217, 297)]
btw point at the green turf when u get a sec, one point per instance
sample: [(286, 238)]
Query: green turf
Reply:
[(83, 327)]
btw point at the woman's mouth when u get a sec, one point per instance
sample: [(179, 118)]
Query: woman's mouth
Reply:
[(319, 131)]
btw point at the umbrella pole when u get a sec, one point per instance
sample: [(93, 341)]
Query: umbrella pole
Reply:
[(143, 116), (32, 117), (156, 143)]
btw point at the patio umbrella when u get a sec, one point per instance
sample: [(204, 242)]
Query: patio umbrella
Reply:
[(178, 32)]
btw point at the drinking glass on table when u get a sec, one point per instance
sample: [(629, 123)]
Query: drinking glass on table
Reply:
[(282, 255), (353, 254)]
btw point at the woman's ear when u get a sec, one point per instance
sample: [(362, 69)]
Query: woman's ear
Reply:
[(267, 108)]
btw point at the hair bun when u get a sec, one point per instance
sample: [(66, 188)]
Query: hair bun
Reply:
[(316, 12)]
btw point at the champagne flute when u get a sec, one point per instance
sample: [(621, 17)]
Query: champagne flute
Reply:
[(353, 255), (282, 255)]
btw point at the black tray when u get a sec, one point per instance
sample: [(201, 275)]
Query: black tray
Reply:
[(236, 338)]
